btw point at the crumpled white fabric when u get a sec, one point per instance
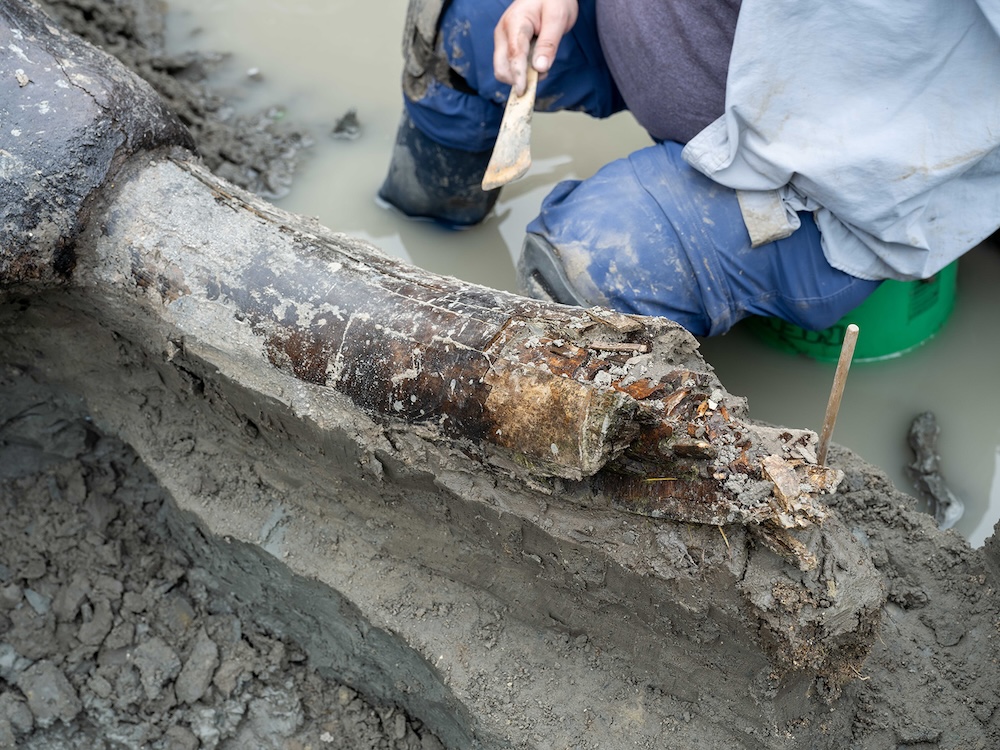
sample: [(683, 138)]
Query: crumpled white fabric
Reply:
[(881, 117)]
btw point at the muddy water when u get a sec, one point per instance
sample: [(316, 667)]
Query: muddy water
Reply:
[(317, 59)]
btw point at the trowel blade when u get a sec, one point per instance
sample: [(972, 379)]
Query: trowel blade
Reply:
[(512, 151)]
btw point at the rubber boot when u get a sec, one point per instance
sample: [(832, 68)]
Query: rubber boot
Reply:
[(428, 180), (542, 274)]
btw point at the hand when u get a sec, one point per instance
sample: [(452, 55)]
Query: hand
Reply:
[(524, 20)]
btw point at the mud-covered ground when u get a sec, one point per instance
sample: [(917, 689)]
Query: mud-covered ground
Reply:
[(112, 635)]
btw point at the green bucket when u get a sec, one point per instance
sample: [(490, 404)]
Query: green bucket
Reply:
[(897, 317)]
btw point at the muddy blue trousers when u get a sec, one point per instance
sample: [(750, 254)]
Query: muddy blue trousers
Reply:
[(647, 234)]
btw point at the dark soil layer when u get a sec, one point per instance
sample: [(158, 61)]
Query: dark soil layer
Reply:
[(254, 152)]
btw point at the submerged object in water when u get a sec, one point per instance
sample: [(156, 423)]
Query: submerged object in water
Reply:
[(925, 472)]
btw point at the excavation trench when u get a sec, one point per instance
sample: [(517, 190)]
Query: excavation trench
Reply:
[(297, 474)]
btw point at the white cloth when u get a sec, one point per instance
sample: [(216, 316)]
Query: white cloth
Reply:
[(881, 117)]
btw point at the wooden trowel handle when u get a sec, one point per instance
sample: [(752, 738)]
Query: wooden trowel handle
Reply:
[(512, 152)]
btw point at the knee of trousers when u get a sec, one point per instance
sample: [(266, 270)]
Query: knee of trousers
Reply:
[(448, 65), (640, 236), (424, 60), (451, 92), (647, 235)]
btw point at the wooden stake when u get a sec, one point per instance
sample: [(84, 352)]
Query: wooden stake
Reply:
[(837, 392)]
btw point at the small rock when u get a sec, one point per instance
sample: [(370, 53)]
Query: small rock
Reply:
[(205, 723), (102, 510), (39, 602), (93, 632), (10, 597), (50, 696), (157, 663), (209, 724), (110, 588), (228, 676), (177, 614), (100, 686), (7, 739), (347, 127), (276, 713), (122, 635), (32, 634), (110, 554), (11, 662), (33, 569), (915, 734), (75, 491), (14, 710), (68, 599), (947, 631), (128, 690), (133, 602), (198, 670), (113, 657), (179, 738), (399, 726)]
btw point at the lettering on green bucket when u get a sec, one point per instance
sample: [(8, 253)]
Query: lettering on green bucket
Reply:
[(898, 317)]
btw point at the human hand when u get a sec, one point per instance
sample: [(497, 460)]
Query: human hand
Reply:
[(548, 20)]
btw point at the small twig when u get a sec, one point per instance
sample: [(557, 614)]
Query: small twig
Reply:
[(661, 479), (725, 538), (610, 346), (863, 678), (837, 392)]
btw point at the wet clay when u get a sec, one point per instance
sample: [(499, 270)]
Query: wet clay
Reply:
[(113, 633), (560, 678)]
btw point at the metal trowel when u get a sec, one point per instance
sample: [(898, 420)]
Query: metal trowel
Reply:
[(512, 152)]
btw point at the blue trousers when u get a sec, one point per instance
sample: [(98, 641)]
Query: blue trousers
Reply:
[(646, 234)]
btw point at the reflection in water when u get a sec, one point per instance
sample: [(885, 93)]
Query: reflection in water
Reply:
[(320, 58)]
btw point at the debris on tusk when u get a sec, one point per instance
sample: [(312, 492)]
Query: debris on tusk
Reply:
[(610, 346)]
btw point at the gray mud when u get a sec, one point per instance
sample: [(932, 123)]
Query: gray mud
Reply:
[(119, 624), (111, 633)]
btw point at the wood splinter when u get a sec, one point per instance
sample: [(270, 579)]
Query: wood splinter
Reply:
[(610, 346)]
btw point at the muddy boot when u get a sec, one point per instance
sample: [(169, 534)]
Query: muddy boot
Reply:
[(542, 274), (436, 182)]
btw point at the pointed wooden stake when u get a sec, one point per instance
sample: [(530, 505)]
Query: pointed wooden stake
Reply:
[(837, 392)]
